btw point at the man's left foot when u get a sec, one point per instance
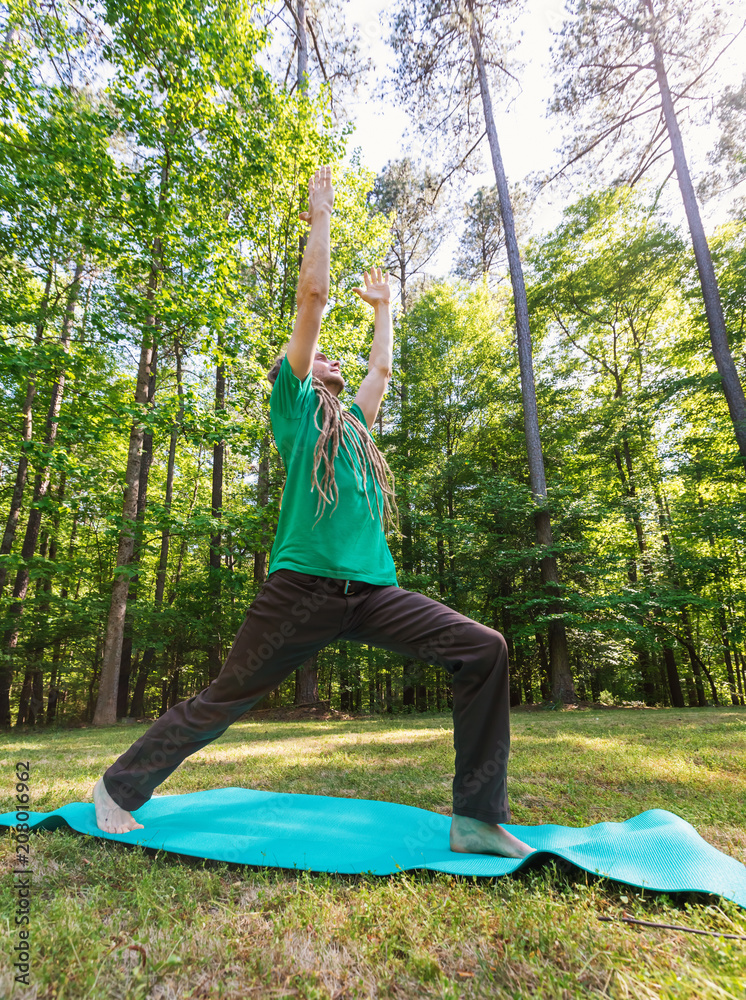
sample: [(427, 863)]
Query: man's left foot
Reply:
[(473, 836), (110, 817)]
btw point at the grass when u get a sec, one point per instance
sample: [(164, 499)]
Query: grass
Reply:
[(117, 922)]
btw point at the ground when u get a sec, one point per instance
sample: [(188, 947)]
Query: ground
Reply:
[(111, 921)]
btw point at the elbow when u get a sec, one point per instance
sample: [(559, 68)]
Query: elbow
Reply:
[(313, 295), (382, 370)]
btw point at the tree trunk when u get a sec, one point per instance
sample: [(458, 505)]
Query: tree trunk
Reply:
[(173, 688), (420, 696), (696, 662), (302, 39), (52, 700), (146, 458), (36, 709), (106, 703), (27, 431), (344, 679), (94, 679), (732, 388), (262, 499), (544, 679), (307, 682), (372, 678), (563, 688), (137, 705), (524, 669), (677, 697), (734, 700), (630, 491), (41, 486), (214, 660), (740, 675), (54, 682)]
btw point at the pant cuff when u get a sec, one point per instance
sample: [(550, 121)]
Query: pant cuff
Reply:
[(502, 816), (128, 802)]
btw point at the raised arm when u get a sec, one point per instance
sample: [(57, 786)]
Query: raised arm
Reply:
[(313, 280), (377, 294)]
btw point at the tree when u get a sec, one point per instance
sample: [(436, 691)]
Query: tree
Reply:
[(611, 310), (181, 57), (409, 196), (482, 243), (325, 47), (617, 61), (728, 155), (55, 140), (445, 52)]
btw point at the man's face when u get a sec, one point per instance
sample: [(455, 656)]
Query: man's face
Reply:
[(328, 372)]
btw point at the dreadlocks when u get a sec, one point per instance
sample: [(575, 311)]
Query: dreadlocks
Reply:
[(360, 448)]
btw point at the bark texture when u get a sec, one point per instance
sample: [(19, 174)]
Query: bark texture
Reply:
[(563, 688), (732, 388), (105, 712)]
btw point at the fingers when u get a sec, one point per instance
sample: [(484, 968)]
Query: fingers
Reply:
[(322, 178), (375, 277)]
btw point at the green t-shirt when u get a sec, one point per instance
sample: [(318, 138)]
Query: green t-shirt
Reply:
[(347, 543)]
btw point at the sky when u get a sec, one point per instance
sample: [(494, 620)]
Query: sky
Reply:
[(528, 139), (381, 124)]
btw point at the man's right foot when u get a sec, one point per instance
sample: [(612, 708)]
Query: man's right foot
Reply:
[(110, 817), (473, 836)]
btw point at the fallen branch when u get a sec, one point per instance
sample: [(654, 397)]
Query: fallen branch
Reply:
[(672, 927)]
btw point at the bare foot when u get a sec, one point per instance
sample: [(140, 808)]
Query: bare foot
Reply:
[(472, 836), (110, 817)]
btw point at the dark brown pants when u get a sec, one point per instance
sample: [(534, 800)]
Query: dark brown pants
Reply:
[(292, 617)]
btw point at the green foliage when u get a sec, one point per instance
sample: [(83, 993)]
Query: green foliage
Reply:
[(156, 150)]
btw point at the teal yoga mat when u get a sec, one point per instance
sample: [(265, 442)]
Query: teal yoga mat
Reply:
[(655, 850)]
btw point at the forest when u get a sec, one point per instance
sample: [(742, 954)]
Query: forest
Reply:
[(566, 419)]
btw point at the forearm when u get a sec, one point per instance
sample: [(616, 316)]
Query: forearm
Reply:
[(313, 280), (382, 351)]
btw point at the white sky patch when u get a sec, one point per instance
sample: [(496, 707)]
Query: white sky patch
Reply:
[(528, 138)]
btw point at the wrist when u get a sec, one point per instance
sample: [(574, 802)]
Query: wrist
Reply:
[(382, 304), (321, 212)]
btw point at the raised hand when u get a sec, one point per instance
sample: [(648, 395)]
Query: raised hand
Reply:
[(320, 194), (376, 291)]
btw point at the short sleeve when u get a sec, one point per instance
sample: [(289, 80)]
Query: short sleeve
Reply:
[(289, 394), (355, 409)]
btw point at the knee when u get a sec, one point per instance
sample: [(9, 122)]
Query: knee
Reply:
[(493, 648), (489, 651), (499, 645)]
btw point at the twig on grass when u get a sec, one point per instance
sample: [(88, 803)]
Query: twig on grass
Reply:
[(672, 927)]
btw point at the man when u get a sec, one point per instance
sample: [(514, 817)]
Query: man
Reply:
[(332, 577)]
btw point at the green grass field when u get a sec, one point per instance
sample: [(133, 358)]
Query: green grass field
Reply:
[(111, 921)]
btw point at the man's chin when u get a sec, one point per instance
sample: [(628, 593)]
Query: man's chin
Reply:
[(335, 384)]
